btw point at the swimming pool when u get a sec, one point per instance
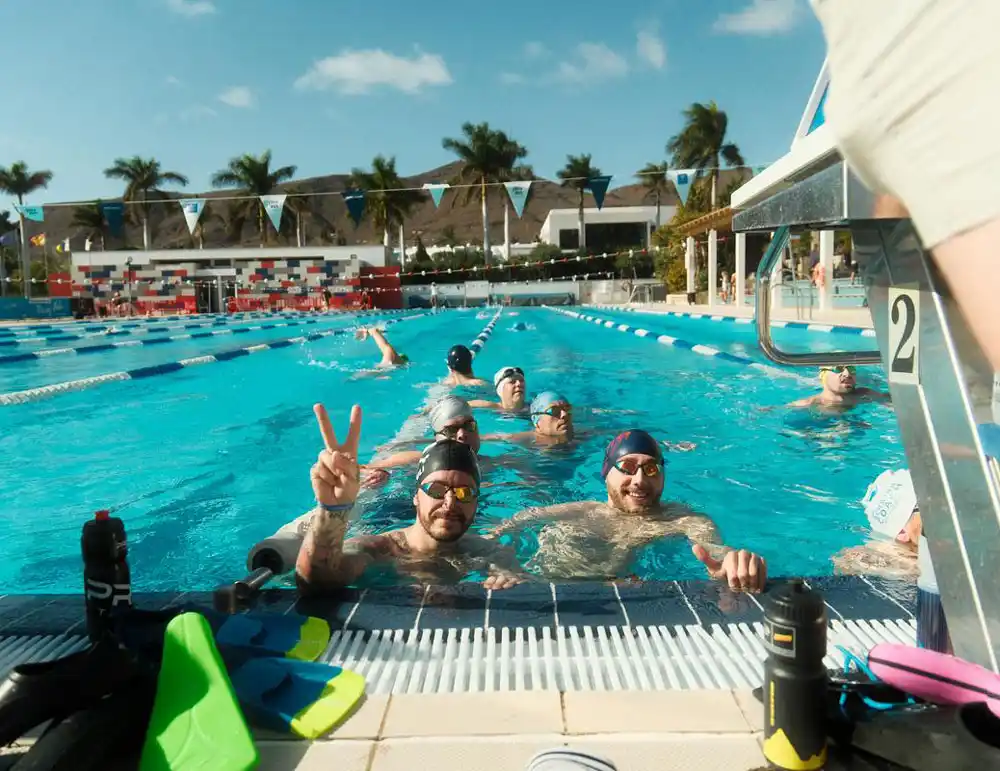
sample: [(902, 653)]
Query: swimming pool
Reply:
[(203, 462)]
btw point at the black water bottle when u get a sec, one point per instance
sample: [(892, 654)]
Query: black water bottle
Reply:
[(795, 679), (107, 583)]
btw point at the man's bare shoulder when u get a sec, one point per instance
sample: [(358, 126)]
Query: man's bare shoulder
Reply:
[(387, 544)]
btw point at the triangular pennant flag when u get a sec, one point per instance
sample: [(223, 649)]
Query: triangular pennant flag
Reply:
[(355, 201), (437, 191), (682, 179), (114, 215), (598, 186), (274, 205), (33, 213), (192, 208), (518, 192)]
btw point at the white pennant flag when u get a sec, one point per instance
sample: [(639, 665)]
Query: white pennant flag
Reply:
[(518, 192), (436, 190), (274, 205), (192, 208), (682, 179)]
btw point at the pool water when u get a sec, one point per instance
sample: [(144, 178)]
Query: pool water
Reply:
[(203, 463)]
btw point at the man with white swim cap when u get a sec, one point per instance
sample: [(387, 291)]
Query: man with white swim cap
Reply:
[(599, 539), (460, 368), (437, 547), (510, 387), (840, 391), (552, 418)]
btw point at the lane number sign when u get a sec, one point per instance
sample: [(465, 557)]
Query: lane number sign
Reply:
[(904, 336)]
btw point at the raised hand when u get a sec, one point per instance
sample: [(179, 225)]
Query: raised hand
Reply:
[(743, 570), (335, 475)]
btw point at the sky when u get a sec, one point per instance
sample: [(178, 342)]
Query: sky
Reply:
[(328, 84)]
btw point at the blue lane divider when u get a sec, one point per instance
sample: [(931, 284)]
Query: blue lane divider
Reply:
[(43, 392), (703, 350), (808, 326)]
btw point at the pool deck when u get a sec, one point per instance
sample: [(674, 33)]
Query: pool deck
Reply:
[(653, 676), (860, 318)]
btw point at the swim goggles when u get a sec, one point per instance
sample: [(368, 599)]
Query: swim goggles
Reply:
[(630, 467), (450, 432), (845, 368), (511, 372), (438, 490), (556, 411)]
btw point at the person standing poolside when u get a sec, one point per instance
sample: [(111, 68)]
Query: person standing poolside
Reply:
[(599, 539), (460, 368), (510, 387), (437, 547), (840, 391), (434, 295)]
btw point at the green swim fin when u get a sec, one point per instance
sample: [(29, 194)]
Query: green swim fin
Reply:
[(196, 721)]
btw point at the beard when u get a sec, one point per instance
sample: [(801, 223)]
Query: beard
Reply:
[(626, 502)]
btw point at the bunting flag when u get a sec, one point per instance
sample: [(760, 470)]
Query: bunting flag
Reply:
[(63, 247), (33, 213), (355, 201), (192, 208), (518, 192), (598, 186), (437, 191), (682, 179), (274, 205), (9, 238), (38, 240), (114, 215)]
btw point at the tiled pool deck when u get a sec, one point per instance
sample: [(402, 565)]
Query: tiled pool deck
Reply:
[(652, 676)]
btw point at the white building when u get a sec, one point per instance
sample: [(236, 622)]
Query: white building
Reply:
[(606, 229)]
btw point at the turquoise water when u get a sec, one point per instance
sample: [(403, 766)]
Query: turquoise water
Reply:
[(202, 463)]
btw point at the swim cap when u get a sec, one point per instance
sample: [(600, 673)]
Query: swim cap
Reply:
[(447, 409), (543, 401), (460, 359), (631, 442), (447, 455), (503, 374), (889, 502)]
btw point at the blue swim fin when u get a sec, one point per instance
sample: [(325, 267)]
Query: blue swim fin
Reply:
[(294, 637)]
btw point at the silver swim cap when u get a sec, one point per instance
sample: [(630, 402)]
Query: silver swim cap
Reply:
[(447, 409)]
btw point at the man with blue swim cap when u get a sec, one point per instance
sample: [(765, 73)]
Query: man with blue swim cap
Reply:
[(599, 539), (460, 368), (552, 417), (510, 387)]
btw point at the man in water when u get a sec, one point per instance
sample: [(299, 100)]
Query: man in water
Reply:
[(460, 368), (552, 416), (390, 357), (437, 547), (509, 385), (840, 391), (595, 539)]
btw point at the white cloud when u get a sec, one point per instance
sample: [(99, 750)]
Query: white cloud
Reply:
[(191, 8), (592, 63), (650, 49), (534, 50), (237, 96), (197, 112), (359, 72), (760, 17), (170, 80)]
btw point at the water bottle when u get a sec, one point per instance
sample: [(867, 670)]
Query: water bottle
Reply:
[(932, 628), (795, 679), (107, 582)]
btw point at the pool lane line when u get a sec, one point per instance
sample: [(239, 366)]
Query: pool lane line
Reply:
[(807, 326), (703, 350), (45, 353), (141, 373)]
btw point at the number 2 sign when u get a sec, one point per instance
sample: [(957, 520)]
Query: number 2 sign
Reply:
[(904, 336)]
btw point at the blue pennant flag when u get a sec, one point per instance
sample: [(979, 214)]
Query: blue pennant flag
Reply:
[(355, 201), (274, 205), (437, 191), (33, 213), (598, 186), (114, 215), (518, 192), (682, 179)]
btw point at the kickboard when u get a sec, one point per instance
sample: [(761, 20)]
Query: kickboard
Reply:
[(196, 722)]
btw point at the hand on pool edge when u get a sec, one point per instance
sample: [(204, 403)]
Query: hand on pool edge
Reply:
[(743, 570), (501, 579), (336, 476)]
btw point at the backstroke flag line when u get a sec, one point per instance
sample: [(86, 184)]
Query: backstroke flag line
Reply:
[(274, 205), (682, 179), (192, 208), (33, 213), (355, 202), (598, 186), (436, 190), (518, 192), (114, 215)]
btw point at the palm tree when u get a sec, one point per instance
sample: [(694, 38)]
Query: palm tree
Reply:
[(577, 174), (18, 181), (89, 219), (253, 174), (386, 200), (654, 178), (143, 176), (298, 211), (702, 144), (510, 170)]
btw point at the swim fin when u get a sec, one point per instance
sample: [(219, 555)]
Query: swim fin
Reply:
[(196, 721), (305, 698)]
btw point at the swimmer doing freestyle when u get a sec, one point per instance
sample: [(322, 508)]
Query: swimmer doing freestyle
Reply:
[(840, 391), (436, 548), (594, 539)]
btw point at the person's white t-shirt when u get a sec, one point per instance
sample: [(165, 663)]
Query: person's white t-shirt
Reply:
[(434, 290)]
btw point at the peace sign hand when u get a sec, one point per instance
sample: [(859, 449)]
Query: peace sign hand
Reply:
[(335, 475)]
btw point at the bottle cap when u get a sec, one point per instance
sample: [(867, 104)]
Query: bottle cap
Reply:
[(102, 514)]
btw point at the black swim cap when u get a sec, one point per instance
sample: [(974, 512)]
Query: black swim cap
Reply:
[(636, 442), (460, 359), (448, 455)]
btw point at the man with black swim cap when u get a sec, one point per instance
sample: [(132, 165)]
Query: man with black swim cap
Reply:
[(436, 548), (595, 539), (460, 368)]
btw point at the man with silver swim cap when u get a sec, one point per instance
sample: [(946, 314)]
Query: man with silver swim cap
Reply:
[(510, 387), (460, 372), (436, 548), (840, 391), (552, 418), (599, 539)]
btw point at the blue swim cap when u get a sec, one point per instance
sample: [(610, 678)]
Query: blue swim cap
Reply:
[(543, 401), (635, 441)]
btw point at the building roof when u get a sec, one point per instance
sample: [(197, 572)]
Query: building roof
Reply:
[(719, 219)]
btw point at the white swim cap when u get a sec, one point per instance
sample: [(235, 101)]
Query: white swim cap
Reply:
[(447, 409), (503, 374), (889, 502)]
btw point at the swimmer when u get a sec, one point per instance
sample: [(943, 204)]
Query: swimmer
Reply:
[(460, 368), (595, 539), (840, 391), (390, 357), (509, 385), (436, 548), (552, 416)]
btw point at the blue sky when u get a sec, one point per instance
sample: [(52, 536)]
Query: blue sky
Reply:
[(327, 84)]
